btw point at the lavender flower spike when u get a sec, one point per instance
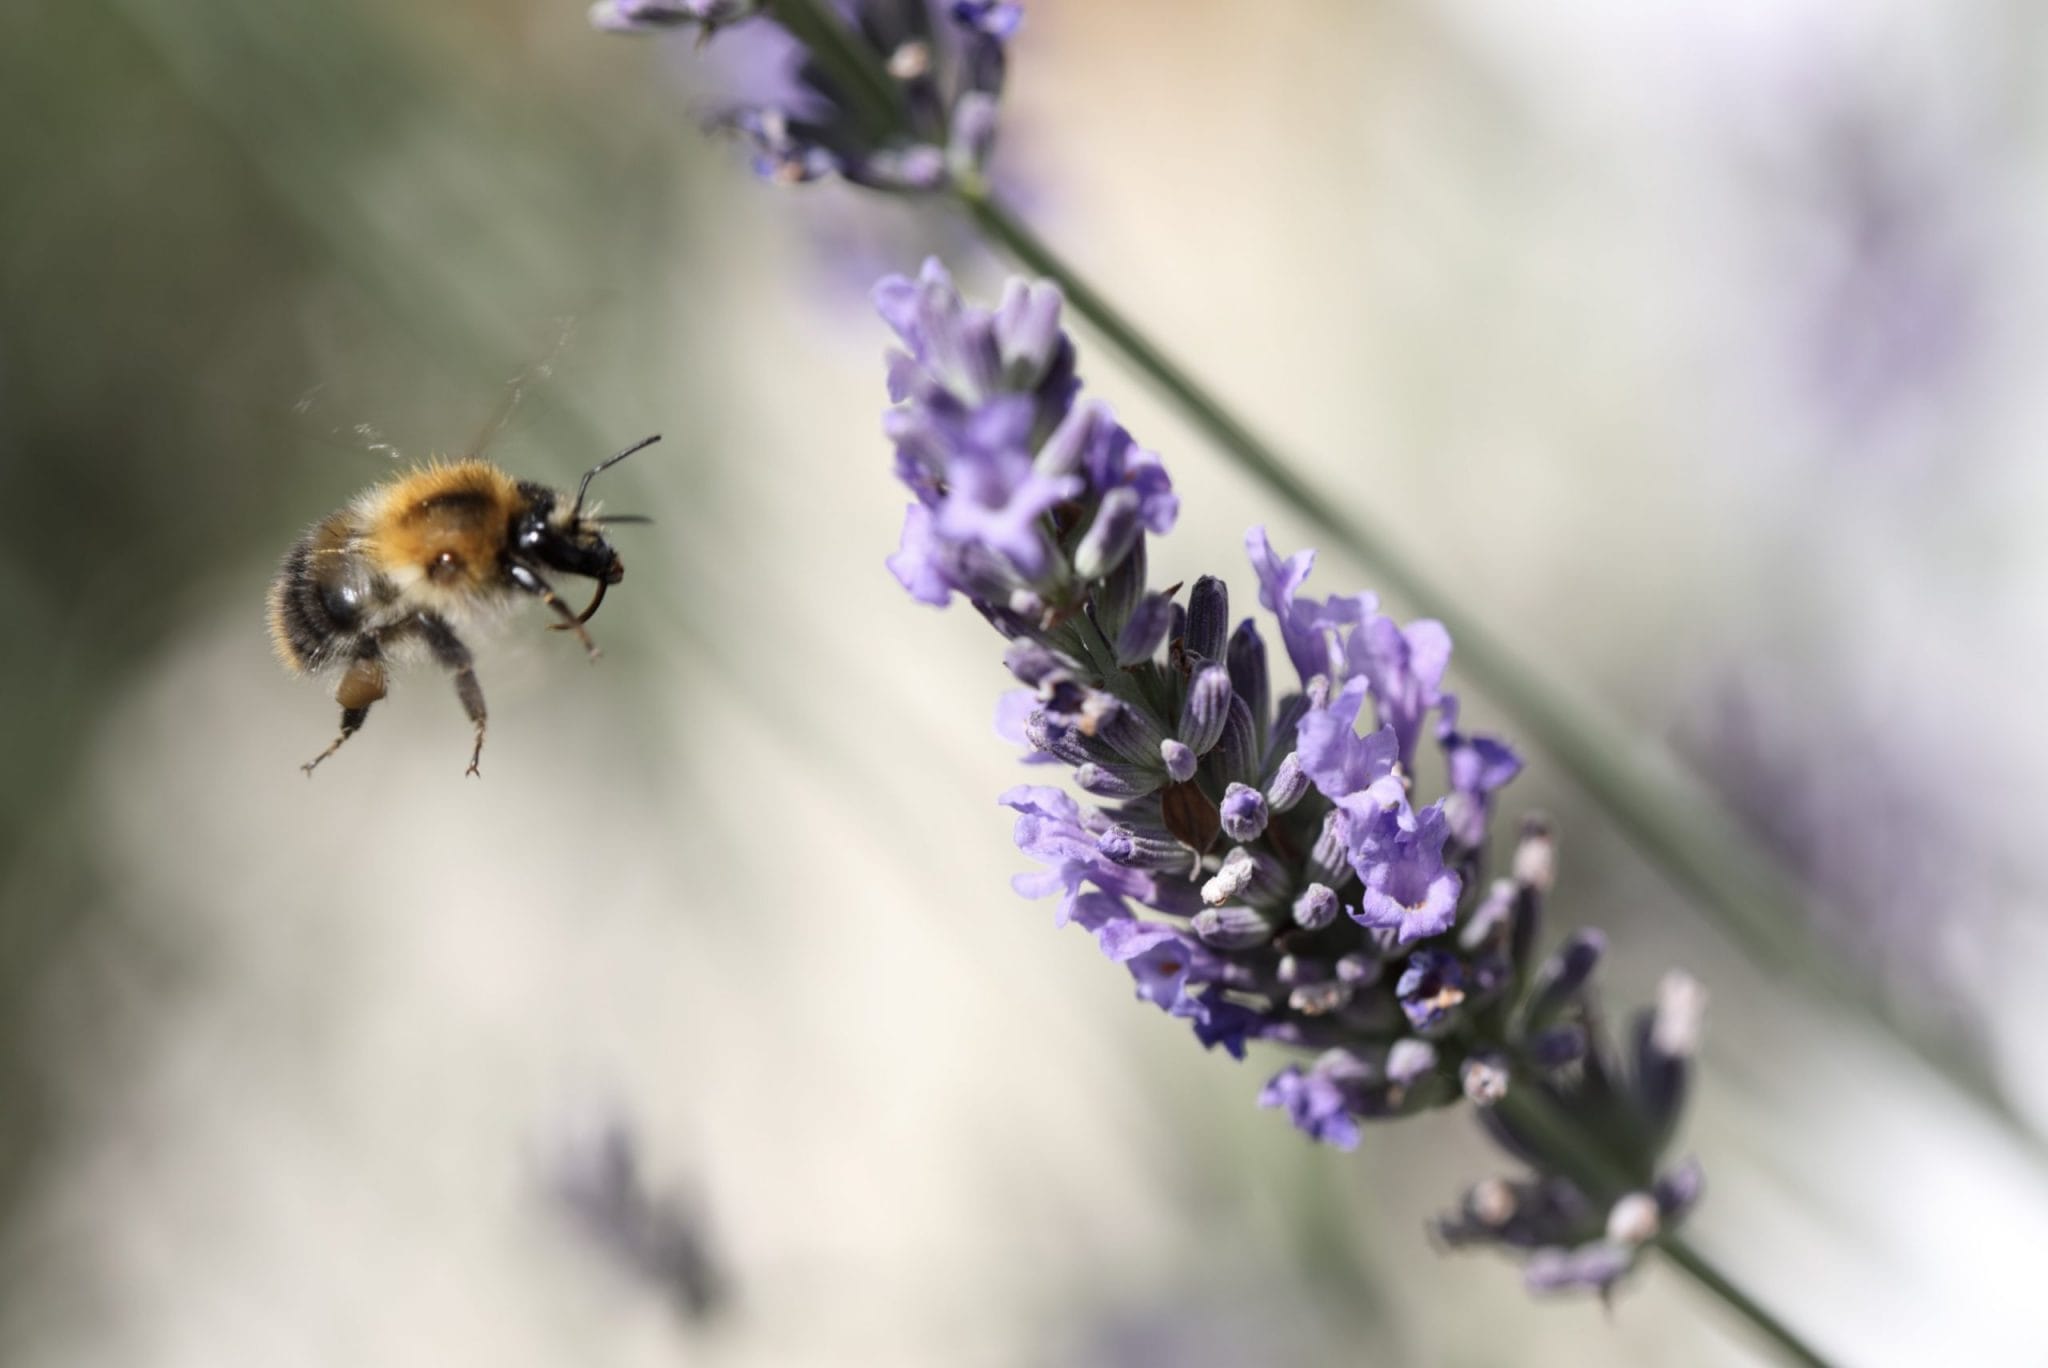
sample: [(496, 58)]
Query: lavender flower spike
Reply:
[(932, 125), (1262, 865)]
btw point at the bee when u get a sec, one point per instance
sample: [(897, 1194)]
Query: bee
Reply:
[(412, 557)]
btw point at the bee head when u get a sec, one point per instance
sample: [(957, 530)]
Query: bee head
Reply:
[(549, 534), (551, 530)]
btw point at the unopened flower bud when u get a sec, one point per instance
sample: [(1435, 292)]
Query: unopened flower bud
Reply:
[(1634, 1219), (1485, 1081), (1136, 849), (1110, 537), (1316, 908), (1329, 860), (1237, 750), (1564, 974), (1492, 1202), (1360, 970), (1130, 732), (1235, 927), (1289, 786), (1246, 656), (1244, 813), (1206, 708), (1320, 999), (1681, 1002), (1117, 781), (1180, 761), (1409, 1059), (1145, 630), (1536, 856), (1208, 618)]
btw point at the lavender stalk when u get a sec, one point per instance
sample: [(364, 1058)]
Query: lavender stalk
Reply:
[(901, 96), (1261, 866)]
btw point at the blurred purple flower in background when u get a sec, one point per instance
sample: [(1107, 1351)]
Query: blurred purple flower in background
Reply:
[(1243, 823), (596, 1181), (934, 121)]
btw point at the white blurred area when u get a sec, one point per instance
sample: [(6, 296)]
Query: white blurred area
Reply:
[(1696, 345)]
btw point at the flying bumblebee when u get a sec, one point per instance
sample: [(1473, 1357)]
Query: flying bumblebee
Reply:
[(412, 557)]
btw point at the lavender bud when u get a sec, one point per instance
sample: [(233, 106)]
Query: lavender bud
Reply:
[(1034, 665), (1360, 970), (1492, 1203), (1293, 969), (1316, 908), (1246, 656), (1145, 629), (1679, 1190), (1321, 999), (1558, 1047), (1329, 859), (917, 167), (1179, 760), (1564, 974), (1237, 751), (1666, 1038), (1409, 1059), (1492, 920), (1289, 786), (1120, 592), (1137, 849), (1117, 781), (1206, 709), (1244, 813), (1485, 1081), (1251, 875), (1235, 927), (973, 135), (1110, 537), (1681, 1002), (1028, 331), (1634, 1219), (1056, 739), (1066, 450), (1208, 618), (1591, 1268), (1536, 856), (1131, 732)]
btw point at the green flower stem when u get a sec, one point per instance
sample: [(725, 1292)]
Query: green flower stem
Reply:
[(1585, 1162)]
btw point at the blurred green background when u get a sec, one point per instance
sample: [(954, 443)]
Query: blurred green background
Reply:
[(1695, 349)]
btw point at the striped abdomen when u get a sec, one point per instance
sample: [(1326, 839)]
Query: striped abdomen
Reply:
[(321, 596)]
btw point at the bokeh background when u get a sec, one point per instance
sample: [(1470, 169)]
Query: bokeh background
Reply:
[(1695, 346)]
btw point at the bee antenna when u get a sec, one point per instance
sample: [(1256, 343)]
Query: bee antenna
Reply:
[(606, 464), (614, 519)]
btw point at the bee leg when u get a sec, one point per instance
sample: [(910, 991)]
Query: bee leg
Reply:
[(453, 656), (539, 588), (363, 684)]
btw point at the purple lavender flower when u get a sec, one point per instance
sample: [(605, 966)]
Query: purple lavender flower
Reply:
[(1407, 888), (927, 122), (1229, 828), (1320, 1100), (1015, 482), (1405, 667), (1476, 767), (1164, 962), (596, 1181)]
